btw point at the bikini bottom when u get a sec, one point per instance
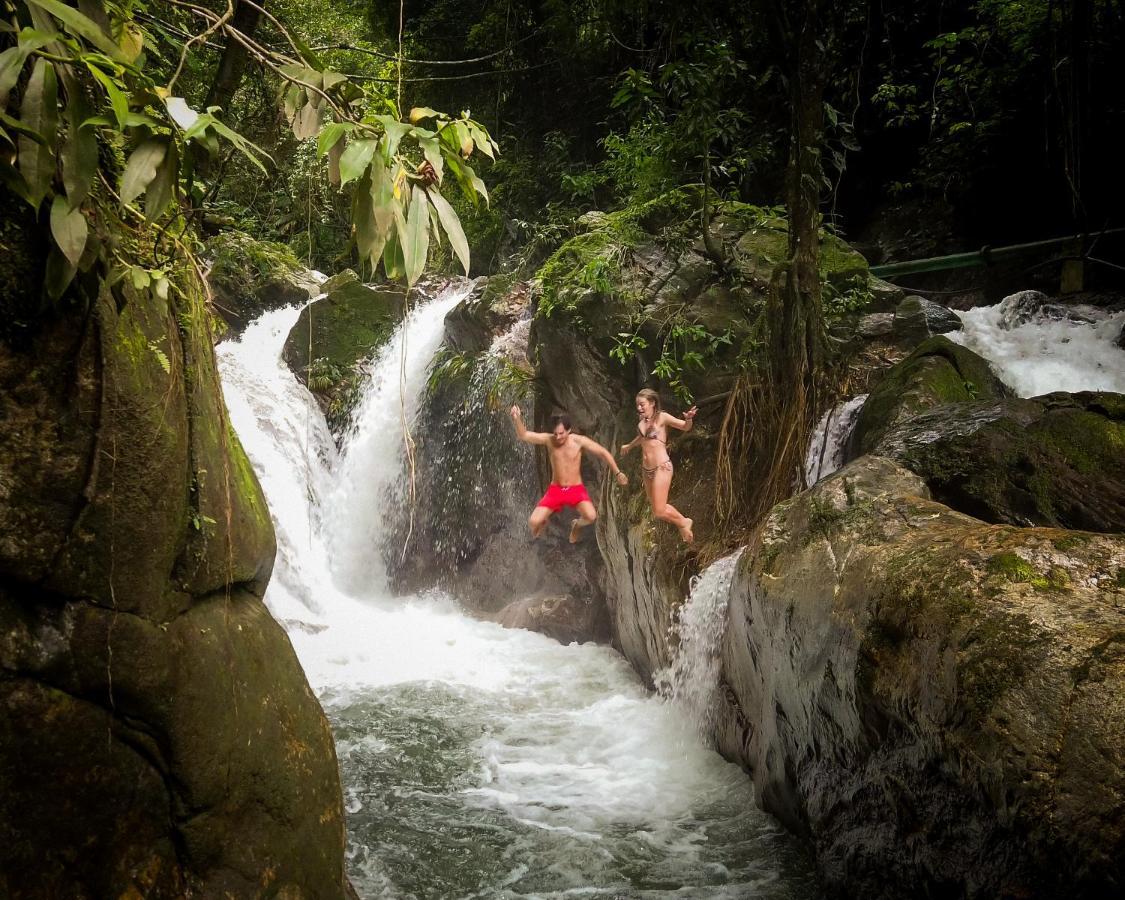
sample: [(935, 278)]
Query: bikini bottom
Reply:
[(650, 474)]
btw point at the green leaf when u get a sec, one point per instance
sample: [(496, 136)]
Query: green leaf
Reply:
[(418, 113), (452, 226), (464, 138), (163, 187), (330, 136), (382, 197), (369, 240), (393, 263), (141, 168), (140, 277), (416, 243), (356, 159), (59, 273), (395, 131), (117, 99), (82, 26), (68, 227), (481, 140), (40, 113), (11, 64), (79, 153)]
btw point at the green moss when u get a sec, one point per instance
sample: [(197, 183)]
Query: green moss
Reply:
[(1012, 567), (1089, 442), (1070, 542)]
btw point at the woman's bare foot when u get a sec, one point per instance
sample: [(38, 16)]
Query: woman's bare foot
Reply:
[(686, 532), (575, 527)]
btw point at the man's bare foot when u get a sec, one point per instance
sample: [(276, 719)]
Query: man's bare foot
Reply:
[(686, 532), (575, 527)]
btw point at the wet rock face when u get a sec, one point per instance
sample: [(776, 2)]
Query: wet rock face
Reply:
[(932, 699), (1057, 460), (157, 735), (937, 373)]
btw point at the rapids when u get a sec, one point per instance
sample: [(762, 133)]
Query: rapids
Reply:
[(476, 761)]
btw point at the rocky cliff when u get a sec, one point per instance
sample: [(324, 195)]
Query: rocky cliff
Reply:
[(157, 736)]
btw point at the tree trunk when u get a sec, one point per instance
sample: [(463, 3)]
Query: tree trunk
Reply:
[(233, 62)]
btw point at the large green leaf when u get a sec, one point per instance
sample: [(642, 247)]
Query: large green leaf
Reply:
[(141, 168), (80, 152), (331, 135), (392, 256), (416, 243), (81, 26), (117, 99), (369, 240), (39, 113), (382, 196), (356, 159), (68, 226), (162, 189), (452, 226), (11, 64)]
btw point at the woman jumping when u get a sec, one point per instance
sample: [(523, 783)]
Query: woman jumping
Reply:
[(656, 466)]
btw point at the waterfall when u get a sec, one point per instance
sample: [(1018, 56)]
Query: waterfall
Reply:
[(691, 682), (828, 445), (369, 481), (1037, 347), (476, 761)]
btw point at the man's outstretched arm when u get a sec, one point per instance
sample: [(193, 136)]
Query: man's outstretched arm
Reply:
[(593, 447), (528, 437)]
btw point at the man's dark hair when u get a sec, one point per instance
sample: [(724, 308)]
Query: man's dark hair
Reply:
[(562, 419)]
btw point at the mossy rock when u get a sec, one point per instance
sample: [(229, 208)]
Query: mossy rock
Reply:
[(1057, 460), (248, 277), (938, 372), (348, 324), (930, 698), (157, 735)]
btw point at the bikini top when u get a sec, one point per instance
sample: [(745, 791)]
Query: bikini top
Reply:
[(653, 435)]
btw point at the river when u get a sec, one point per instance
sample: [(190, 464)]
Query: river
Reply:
[(476, 761)]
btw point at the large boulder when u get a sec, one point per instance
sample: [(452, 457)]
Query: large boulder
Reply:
[(916, 319), (335, 335), (157, 735), (933, 700), (348, 323), (938, 372), (248, 277), (1057, 460)]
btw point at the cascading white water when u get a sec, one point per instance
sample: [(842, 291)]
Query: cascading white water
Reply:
[(829, 443), (1041, 351), (369, 477), (692, 680), (477, 761)]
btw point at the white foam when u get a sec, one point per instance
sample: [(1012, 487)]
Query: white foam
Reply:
[(829, 442), (1048, 354)]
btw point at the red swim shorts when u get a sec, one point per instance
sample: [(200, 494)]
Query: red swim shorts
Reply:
[(560, 495)]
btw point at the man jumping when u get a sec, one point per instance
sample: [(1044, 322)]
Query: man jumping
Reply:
[(566, 489)]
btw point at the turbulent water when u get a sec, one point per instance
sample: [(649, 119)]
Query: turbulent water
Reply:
[(476, 761), (1044, 351)]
